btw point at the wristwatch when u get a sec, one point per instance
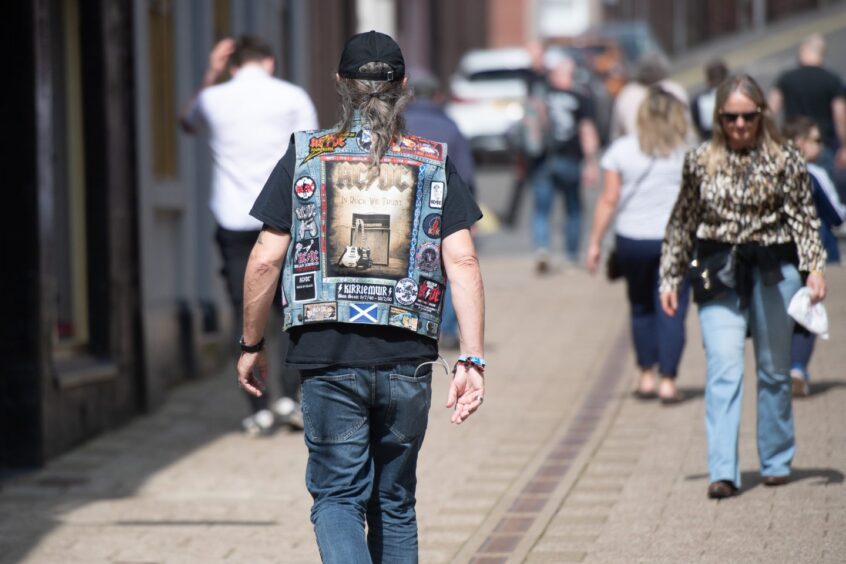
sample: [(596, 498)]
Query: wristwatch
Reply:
[(251, 348)]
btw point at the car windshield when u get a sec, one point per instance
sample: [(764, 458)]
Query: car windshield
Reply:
[(500, 74)]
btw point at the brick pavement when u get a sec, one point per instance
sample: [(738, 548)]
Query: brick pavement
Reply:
[(181, 485)]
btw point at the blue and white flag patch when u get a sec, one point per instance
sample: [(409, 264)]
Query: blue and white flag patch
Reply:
[(364, 313)]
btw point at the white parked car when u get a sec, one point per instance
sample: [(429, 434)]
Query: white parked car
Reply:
[(488, 91)]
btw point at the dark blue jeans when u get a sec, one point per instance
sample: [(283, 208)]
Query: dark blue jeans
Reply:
[(558, 173), (658, 338), (364, 428)]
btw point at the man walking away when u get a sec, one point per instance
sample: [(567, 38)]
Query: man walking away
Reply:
[(249, 119), (364, 314)]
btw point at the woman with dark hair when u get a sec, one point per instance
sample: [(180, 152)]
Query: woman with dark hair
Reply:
[(745, 226), (642, 172)]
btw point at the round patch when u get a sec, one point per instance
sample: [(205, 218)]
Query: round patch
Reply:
[(428, 257), (304, 188), (432, 225), (365, 140), (406, 291)]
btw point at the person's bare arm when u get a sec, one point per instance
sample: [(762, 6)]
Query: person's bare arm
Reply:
[(589, 141), (775, 100), (605, 208), (468, 296), (838, 113), (260, 281), (218, 59)]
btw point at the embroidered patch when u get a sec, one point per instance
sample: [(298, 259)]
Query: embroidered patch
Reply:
[(419, 147), (429, 257), (432, 329), (364, 139), (429, 296), (320, 311), (432, 225), (405, 291), (399, 317), (304, 188), (307, 255), (328, 143), (436, 195), (304, 287), (307, 226), (356, 292), (364, 313)]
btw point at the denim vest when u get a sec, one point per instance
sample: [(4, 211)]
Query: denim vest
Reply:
[(365, 251)]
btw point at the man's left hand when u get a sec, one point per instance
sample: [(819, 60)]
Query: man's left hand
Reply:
[(466, 392)]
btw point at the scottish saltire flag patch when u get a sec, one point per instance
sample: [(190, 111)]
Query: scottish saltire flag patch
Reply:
[(364, 313)]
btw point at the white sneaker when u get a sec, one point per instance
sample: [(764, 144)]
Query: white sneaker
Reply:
[(259, 423), (288, 412), (800, 386)]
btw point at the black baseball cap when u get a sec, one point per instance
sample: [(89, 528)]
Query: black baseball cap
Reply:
[(371, 47)]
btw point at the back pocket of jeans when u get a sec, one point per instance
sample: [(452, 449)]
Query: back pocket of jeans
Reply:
[(408, 411), (332, 407)]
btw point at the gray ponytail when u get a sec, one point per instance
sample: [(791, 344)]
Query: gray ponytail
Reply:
[(381, 104)]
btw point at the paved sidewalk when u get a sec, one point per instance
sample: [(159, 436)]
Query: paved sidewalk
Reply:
[(559, 466)]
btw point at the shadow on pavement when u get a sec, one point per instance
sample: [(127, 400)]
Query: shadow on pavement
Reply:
[(751, 479), (824, 386)]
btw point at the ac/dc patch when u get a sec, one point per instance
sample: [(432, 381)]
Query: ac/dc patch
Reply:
[(405, 291), (357, 292), (429, 295), (304, 188), (328, 143), (432, 225), (304, 287), (429, 257), (399, 317), (307, 255), (320, 311), (307, 226)]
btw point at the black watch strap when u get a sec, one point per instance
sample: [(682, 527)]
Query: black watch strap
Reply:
[(251, 348)]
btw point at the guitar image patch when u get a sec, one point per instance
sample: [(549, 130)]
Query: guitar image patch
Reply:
[(355, 256)]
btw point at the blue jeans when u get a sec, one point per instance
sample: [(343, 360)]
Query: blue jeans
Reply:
[(724, 326), (658, 338), (562, 173), (364, 428), (801, 349)]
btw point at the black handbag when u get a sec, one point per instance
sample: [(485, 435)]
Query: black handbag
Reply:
[(713, 275)]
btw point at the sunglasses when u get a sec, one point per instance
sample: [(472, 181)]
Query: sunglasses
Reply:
[(731, 117)]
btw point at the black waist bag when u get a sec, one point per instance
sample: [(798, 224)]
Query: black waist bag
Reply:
[(712, 274)]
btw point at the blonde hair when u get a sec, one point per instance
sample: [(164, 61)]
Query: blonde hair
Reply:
[(662, 124), (380, 104), (769, 138)]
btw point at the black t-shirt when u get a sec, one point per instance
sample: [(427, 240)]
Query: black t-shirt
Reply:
[(566, 109), (808, 91), (316, 346)]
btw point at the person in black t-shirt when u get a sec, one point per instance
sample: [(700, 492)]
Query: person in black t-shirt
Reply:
[(366, 380), (815, 92), (570, 162)]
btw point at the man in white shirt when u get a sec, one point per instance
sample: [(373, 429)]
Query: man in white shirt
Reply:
[(249, 120)]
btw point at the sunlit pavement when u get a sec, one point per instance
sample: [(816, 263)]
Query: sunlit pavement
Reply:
[(560, 465)]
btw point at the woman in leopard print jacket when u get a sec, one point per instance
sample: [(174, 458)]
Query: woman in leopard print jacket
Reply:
[(745, 202)]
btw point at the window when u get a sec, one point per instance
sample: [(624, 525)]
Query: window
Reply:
[(162, 89)]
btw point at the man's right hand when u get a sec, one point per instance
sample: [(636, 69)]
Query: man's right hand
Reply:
[(246, 372)]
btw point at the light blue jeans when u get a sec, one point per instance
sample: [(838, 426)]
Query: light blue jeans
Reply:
[(364, 428), (724, 327)]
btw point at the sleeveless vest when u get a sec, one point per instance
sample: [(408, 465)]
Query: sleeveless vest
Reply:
[(364, 251)]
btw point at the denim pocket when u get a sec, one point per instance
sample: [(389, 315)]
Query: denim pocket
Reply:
[(411, 397), (332, 407)]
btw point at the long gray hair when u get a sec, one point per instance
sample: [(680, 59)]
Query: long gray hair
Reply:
[(380, 104)]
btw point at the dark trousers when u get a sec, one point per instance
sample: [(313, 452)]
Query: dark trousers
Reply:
[(235, 247), (658, 338)]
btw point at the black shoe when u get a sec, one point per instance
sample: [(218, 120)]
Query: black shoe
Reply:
[(721, 489), (776, 480)]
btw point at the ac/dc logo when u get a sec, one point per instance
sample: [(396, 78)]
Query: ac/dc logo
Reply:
[(328, 143), (307, 255)]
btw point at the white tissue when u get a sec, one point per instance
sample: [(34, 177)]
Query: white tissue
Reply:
[(811, 316)]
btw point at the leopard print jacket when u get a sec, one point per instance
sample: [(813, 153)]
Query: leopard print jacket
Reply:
[(772, 205)]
